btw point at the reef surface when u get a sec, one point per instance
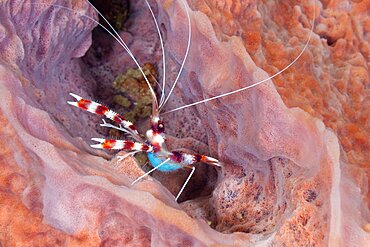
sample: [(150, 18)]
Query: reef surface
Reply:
[(287, 180)]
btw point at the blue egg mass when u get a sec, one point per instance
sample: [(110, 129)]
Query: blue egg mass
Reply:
[(168, 167)]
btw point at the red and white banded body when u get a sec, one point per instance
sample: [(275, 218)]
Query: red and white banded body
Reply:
[(155, 136)]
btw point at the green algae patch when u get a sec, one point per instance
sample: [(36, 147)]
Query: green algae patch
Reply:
[(133, 94), (122, 101), (133, 97)]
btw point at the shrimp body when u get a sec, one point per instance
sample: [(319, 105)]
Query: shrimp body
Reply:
[(154, 146), (159, 157), (178, 160), (155, 160)]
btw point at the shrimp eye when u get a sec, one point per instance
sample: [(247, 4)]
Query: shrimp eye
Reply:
[(160, 127)]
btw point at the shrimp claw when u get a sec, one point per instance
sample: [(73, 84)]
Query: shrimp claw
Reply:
[(93, 107), (121, 145)]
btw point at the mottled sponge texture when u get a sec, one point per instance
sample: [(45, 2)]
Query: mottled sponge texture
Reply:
[(330, 81), (295, 150)]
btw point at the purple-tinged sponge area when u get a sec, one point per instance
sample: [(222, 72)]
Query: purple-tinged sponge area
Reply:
[(284, 181)]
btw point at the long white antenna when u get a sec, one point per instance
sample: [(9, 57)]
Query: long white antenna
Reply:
[(183, 62), (163, 54), (256, 83), (119, 40), (152, 170), (90, 18), (186, 182), (131, 55)]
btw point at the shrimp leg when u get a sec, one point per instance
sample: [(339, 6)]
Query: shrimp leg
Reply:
[(121, 145), (93, 107), (186, 182)]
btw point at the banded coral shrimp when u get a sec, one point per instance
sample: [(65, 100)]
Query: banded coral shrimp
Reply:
[(157, 125)]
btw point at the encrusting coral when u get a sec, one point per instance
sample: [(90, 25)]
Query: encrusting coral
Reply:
[(285, 182), (335, 90)]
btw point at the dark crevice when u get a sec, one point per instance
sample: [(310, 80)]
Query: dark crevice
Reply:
[(329, 40), (115, 11)]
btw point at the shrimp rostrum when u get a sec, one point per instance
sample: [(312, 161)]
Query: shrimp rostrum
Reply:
[(154, 145)]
